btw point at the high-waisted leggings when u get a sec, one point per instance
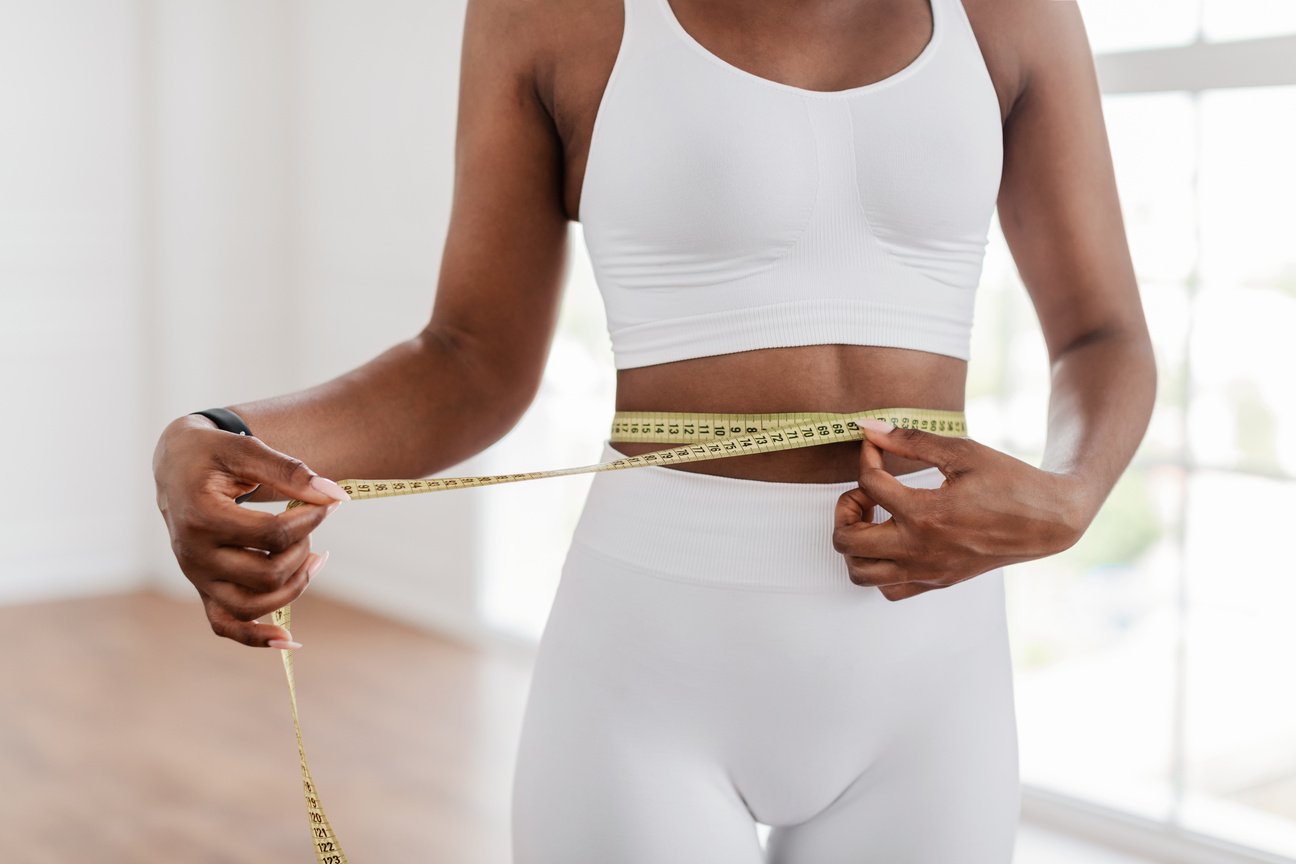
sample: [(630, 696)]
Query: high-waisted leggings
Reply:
[(708, 665)]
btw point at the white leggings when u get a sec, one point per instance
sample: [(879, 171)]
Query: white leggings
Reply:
[(708, 665)]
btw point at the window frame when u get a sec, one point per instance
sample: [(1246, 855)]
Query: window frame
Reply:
[(1193, 68)]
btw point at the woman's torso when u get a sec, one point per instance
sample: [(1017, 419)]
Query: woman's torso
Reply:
[(795, 44)]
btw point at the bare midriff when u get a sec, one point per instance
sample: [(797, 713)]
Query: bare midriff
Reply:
[(835, 378)]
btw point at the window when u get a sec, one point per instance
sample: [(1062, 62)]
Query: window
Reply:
[(1154, 658)]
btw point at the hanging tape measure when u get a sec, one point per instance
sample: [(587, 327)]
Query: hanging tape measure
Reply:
[(698, 437)]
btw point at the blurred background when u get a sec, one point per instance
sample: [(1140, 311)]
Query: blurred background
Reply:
[(210, 201)]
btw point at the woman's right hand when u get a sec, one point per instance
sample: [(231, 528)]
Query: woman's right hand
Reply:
[(245, 563)]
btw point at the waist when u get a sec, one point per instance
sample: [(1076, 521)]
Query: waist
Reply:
[(722, 438), (718, 530), (835, 378)]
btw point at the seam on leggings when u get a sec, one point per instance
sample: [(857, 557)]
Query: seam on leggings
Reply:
[(845, 588)]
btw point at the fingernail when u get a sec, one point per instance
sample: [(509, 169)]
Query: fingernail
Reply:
[(329, 488), (330, 508), (316, 565), (875, 425), (283, 644)]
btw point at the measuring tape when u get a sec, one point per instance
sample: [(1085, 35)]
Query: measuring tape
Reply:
[(697, 437)]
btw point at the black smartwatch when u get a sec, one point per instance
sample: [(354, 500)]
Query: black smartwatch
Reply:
[(230, 422)]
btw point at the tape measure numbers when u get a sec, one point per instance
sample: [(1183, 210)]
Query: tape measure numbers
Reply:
[(697, 437)]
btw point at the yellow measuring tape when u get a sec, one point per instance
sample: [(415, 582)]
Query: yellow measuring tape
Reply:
[(697, 437)]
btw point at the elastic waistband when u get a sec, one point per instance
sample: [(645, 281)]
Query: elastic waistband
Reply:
[(724, 531)]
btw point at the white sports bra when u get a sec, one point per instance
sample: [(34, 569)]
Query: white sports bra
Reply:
[(727, 212)]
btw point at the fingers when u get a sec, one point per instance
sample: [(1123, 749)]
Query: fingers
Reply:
[(870, 456), (244, 562), (852, 506), (881, 554), (854, 532), (908, 589), (946, 452), (894, 581), (873, 552), (232, 611), (246, 605), (256, 529), (219, 543), (867, 540), (881, 486), (878, 484), (253, 570), (251, 633), (874, 572), (254, 460)]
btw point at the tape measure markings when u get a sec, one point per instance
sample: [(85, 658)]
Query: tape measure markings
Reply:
[(710, 436)]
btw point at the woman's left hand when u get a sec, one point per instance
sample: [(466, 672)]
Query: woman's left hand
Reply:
[(992, 510)]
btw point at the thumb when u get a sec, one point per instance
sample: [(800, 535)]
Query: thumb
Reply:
[(882, 487), (875, 481), (870, 455), (940, 450), (252, 459), (854, 505)]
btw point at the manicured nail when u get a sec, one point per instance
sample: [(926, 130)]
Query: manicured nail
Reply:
[(316, 565), (329, 488), (283, 644), (330, 508), (875, 425)]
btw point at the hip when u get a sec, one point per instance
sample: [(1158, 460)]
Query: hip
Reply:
[(753, 554)]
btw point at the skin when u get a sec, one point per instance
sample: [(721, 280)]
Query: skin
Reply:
[(532, 75)]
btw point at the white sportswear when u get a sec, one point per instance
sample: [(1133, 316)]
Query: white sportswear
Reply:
[(725, 212), (708, 664)]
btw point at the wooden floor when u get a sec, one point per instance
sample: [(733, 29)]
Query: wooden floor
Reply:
[(129, 733)]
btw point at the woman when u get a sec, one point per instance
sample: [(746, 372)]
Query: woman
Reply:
[(786, 205)]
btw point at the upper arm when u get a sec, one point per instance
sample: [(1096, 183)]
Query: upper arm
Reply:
[(1058, 204), (503, 263)]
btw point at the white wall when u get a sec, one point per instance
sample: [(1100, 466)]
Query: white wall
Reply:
[(204, 202), (221, 182), (376, 99), (72, 263), (219, 189), (305, 162)]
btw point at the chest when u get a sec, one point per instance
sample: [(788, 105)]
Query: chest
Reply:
[(813, 47)]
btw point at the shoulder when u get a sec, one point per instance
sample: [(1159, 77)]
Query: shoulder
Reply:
[(509, 18), (574, 44), (510, 36), (572, 30), (1026, 42), (531, 43), (547, 28)]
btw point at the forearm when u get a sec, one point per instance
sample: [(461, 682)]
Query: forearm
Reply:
[(1101, 399), (419, 407)]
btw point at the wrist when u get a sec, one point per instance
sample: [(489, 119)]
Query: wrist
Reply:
[(213, 420), (192, 421), (225, 419), (177, 427)]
